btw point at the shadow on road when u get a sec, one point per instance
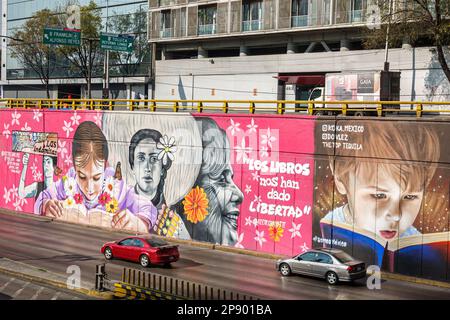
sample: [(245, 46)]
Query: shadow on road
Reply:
[(63, 258), (4, 297)]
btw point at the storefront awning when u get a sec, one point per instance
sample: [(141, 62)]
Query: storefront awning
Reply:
[(308, 80)]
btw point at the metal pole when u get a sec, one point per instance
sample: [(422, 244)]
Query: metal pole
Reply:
[(106, 85), (386, 56), (153, 69), (89, 68)]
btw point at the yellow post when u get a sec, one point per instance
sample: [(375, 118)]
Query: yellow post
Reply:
[(175, 107), (200, 107), (419, 110), (252, 107), (379, 110), (91, 104), (310, 108), (40, 104), (153, 106), (225, 107), (111, 105), (74, 106), (24, 104), (344, 109), (280, 108), (131, 106)]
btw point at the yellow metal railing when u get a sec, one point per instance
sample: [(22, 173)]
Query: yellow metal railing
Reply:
[(374, 108)]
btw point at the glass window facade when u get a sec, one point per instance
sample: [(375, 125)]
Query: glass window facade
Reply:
[(114, 14)]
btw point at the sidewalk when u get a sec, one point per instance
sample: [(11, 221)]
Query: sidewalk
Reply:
[(45, 277)]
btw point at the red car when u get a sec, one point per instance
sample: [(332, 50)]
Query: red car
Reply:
[(144, 250)]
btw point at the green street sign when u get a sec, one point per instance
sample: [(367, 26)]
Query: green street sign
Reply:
[(62, 37), (116, 42)]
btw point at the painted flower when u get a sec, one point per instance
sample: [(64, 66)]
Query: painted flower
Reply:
[(37, 115), (248, 189), (6, 132), (264, 152), (196, 205), (112, 206), (248, 221), (109, 186), (70, 186), (104, 198), (67, 128), (239, 241), (276, 232), (252, 127), (26, 127), (260, 238), (98, 119), (69, 203), (62, 148), (166, 148), (295, 230), (255, 176), (268, 138), (78, 198), (234, 127), (242, 151), (75, 119), (304, 247), (7, 195), (15, 118)]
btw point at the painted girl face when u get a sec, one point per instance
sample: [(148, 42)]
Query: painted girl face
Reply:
[(48, 167), (90, 178), (381, 206), (147, 168)]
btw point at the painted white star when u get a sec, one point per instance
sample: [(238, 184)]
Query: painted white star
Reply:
[(37, 115), (255, 176), (15, 118), (252, 127), (295, 230), (263, 152), (239, 241), (234, 127), (67, 128), (75, 119), (248, 189), (37, 176), (248, 221), (304, 247), (268, 138), (260, 238), (257, 199)]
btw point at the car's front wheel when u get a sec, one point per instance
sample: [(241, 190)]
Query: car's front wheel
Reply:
[(108, 253), (332, 278), (285, 270), (144, 260)]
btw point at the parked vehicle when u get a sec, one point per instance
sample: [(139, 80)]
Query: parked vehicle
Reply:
[(330, 264), (145, 250), (357, 86)]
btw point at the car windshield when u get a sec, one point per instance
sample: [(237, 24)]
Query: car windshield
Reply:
[(156, 242), (343, 257)]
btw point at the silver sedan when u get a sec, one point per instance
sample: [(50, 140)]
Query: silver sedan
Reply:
[(330, 264)]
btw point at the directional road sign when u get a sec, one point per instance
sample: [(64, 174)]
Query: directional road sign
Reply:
[(64, 37), (116, 42)]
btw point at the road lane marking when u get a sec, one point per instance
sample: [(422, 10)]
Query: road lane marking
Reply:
[(57, 294), (6, 284), (37, 293), (16, 294)]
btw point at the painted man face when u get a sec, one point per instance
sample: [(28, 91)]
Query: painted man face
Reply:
[(90, 178), (147, 168), (48, 167)]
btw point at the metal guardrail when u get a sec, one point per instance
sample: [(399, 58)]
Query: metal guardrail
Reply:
[(137, 284), (369, 108)]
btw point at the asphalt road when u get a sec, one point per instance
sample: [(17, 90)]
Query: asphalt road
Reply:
[(55, 246), (16, 289)]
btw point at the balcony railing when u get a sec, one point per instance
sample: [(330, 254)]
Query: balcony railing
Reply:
[(299, 21), (252, 25), (166, 33), (357, 16), (206, 29)]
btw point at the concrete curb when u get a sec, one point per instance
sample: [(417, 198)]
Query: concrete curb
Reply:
[(53, 283), (384, 275)]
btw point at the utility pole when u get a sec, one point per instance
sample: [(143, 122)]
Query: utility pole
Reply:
[(386, 56), (153, 69), (106, 64)]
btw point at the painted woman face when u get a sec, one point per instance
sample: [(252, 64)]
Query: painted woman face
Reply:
[(90, 178), (48, 167), (147, 168)]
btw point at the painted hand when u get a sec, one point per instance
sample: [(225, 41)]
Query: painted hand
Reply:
[(53, 208), (126, 220)]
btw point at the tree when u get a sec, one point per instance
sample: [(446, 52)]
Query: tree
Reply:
[(30, 51), (87, 58), (133, 24), (414, 21)]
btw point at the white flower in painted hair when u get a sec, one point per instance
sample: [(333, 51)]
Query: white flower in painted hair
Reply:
[(166, 149), (70, 186)]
